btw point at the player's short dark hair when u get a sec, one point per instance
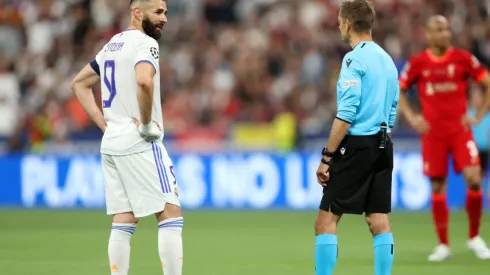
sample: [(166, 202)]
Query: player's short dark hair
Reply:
[(360, 13), (132, 1)]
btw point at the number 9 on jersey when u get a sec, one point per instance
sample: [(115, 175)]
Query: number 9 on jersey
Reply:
[(110, 83)]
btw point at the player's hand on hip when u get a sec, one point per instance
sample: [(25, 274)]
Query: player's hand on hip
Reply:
[(420, 124), (150, 131), (323, 174), (469, 121)]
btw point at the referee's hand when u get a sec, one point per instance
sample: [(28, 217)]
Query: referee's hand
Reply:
[(322, 174)]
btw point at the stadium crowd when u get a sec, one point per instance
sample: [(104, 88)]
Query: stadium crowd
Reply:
[(222, 61)]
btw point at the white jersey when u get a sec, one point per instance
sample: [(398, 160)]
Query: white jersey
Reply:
[(117, 61)]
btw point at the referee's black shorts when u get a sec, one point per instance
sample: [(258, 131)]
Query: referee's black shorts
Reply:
[(360, 177)]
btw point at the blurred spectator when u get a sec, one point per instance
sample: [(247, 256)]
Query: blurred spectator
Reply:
[(9, 98), (224, 63)]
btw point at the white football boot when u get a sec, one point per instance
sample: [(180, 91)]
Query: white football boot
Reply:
[(441, 253), (479, 247)]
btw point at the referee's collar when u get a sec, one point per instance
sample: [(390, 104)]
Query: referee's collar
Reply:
[(362, 42)]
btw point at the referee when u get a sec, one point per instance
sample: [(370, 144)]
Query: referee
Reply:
[(357, 163)]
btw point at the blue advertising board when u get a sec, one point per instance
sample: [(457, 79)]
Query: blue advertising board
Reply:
[(216, 181)]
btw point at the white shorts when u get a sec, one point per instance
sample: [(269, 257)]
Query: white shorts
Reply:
[(142, 183)]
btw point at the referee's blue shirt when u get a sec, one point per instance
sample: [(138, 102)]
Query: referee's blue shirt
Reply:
[(367, 89)]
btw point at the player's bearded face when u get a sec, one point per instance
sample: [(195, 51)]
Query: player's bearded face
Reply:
[(151, 29)]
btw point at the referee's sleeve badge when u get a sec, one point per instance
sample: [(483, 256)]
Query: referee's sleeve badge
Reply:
[(349, 83)]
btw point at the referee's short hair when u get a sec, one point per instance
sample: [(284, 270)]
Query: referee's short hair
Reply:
[(360, 14)]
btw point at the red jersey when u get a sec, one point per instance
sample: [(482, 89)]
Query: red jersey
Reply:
[(442, 84)]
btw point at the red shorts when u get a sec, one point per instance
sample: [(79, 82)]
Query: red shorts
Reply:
[(436, 150)]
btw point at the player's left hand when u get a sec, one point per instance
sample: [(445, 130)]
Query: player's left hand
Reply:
[(151, 131), (469, 121), (323, 174), (137, 123)]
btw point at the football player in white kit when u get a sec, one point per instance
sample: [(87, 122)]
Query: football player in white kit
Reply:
[(138, 172)]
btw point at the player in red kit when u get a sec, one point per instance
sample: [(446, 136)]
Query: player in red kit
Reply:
[(441, 74)]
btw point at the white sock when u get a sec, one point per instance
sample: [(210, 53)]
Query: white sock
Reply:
[(119, 247), (170, 245)]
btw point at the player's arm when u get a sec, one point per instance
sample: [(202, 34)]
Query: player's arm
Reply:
[(82, 87), (349, 100), (144, 77), (145, 65), (486, 106), (404, 106), (394, 106), (407, 77), (416, 121), (480, 75)]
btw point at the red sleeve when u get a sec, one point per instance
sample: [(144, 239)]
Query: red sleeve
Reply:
[(409, 74), (475, 68)]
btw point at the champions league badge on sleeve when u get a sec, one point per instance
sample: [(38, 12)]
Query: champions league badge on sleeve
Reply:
[(154, 52)]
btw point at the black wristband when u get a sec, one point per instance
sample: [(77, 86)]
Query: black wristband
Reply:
[(326, 153), (327, 162)]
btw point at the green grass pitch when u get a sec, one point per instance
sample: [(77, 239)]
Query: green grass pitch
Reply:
[(225, 243)]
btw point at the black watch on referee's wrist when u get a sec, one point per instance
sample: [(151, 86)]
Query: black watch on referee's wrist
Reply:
[(327, 162), (326, 153)]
